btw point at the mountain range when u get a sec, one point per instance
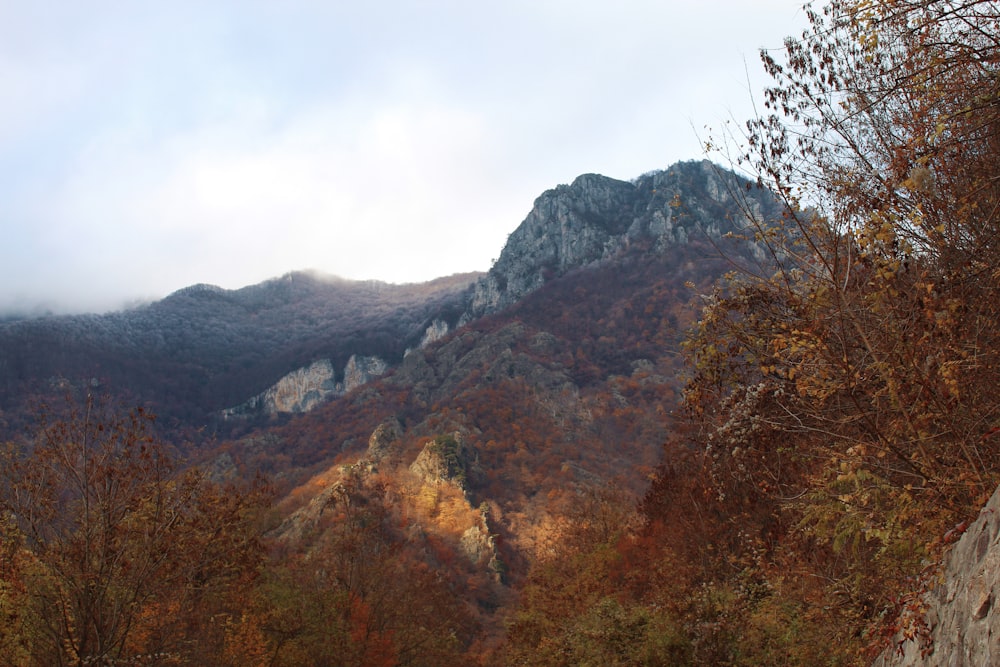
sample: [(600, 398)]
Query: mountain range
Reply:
[(480, 410), (204, 349)]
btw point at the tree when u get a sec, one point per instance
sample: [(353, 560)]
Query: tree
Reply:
[(578, 607), (123, 556), (850, 385)]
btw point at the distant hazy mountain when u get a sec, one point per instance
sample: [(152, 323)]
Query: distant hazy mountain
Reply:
[(203, 348)]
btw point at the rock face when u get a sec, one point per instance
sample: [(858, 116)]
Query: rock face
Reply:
[(305, 388), (298, 391), (382, 442), (444, 459), (962, 616), (361, 370), (597, 217), (437, 330), (480, 547), (443, 468)]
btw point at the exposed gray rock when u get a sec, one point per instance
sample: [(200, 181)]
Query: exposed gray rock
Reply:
[(305, 388), (596, 218), (382, 441), (361, 370), (444, 459), (437, 330), (298, 391), (962, 621), (479, 546)]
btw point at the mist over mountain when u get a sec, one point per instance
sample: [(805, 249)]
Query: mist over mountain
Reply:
[(203, 348)]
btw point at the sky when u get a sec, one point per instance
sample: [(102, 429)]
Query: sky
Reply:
[(148, 146)]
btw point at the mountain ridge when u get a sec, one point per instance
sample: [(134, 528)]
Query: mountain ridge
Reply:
[(597, 217), (203, 349)]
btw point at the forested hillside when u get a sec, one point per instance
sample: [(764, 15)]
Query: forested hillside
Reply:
[(841, 419), (203, 348), (453, 473)]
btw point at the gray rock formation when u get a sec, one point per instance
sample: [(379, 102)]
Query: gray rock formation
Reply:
[(962, 620), (382, 443), (437, 330), (444, 459), (298, 391), (305, 388), (361, 370), (597, 217), (480, 546)]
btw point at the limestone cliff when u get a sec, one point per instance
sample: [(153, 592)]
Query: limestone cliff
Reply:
[(297, 391), (962, 623), (437, 330), (597, 217), (432, 489), (383, 443), (305, 388), (444, 459), (359, 371)]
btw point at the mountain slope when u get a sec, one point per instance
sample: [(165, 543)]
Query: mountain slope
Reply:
[(424, 499), (203, 349), (566, 388)]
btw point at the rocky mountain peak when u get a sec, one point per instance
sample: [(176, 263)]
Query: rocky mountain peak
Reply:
[(596, 218)]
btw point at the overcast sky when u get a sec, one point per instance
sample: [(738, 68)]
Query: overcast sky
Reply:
[(147, 146)]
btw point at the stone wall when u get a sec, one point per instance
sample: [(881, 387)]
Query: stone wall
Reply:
[(962, 616)]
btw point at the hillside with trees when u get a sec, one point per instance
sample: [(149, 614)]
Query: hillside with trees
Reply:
[(203, 348), (841, 417), (422, 499)]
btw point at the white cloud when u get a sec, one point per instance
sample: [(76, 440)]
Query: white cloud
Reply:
[(360, 194), (147, 147)]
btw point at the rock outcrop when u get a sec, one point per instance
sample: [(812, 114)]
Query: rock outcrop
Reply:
[(479, 546), (445, 459), (597, 217), (383, 442), (437, 330), (298, 391), (305, 388), (962, 622), (435, 494), (359, 371)]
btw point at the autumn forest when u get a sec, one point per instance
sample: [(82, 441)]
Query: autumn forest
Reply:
[(749, 447)]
